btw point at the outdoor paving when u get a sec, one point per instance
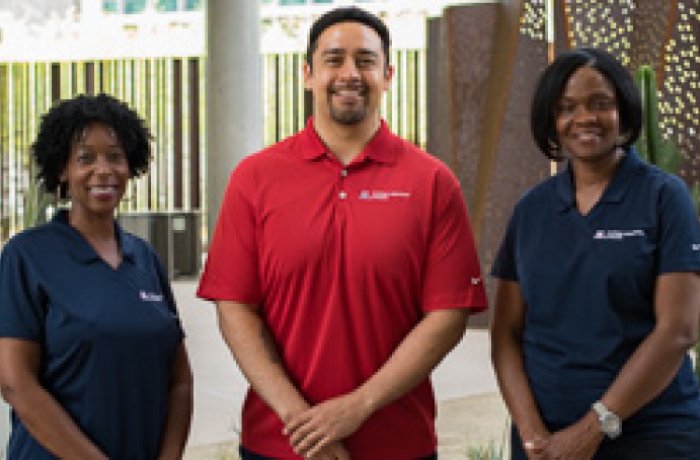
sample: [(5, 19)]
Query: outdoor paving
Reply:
[(470, 411)]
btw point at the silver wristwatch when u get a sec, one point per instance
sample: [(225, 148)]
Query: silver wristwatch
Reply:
[(610, 423)]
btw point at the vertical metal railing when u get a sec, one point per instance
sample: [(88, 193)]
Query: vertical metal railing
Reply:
[(159, 89), (169, 93)]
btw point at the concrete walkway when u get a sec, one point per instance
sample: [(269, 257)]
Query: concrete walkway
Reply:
[(470, 412)]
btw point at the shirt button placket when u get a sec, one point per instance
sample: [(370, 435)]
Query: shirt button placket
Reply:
[(342, 197)]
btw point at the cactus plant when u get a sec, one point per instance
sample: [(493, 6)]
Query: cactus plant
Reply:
[(651, 144)]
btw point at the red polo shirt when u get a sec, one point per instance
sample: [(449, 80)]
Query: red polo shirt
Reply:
[(343, 262)]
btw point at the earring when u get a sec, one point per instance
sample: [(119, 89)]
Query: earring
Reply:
[(621, 140), (554, 147), (62, 192)]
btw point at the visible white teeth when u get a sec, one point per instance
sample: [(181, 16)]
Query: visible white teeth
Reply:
[(106, 189), (588, 136)]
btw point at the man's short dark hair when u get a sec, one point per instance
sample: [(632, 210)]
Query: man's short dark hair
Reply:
[(62, 125), (347, 14), (543, 113)]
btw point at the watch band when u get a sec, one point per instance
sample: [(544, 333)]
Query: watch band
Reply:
[(610, 423)]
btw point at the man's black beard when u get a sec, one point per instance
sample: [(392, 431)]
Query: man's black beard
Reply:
[(352, 116), (349, 117)]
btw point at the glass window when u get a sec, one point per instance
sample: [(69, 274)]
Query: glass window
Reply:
[(323, 1), (134, 6), (110, 6), (191, 5), (292, 2), (166, 5)]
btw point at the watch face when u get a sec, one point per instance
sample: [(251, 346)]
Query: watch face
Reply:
[(610, 425)]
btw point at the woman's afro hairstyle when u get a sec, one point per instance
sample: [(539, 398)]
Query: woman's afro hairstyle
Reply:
[(65, 122)]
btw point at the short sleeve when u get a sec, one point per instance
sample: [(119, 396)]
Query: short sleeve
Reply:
[(679, 229), (22, 306), (231, 270), (504, 265), (452, 274)]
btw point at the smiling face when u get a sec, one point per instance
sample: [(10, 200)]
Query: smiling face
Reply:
[(349, 73), (96, 173), (587, 117)]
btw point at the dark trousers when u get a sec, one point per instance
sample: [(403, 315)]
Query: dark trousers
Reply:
[(680, 445), (248, 455)]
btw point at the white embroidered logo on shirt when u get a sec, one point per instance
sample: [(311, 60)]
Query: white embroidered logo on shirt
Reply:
[(382, 195), (617, 234), (476, 281), (150, 296), (695, 246)]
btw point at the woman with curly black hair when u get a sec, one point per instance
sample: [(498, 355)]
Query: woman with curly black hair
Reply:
[(92, 358)]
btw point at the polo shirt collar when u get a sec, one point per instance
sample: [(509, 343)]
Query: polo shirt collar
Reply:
[(382, 148), (615, 191), (79, 247)]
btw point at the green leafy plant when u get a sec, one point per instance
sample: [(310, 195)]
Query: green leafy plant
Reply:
[(36, 204), (657, 150), (651, 144), (489, 452), (492, 451)]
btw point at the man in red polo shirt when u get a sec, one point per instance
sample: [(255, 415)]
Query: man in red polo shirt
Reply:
[(343, 268)]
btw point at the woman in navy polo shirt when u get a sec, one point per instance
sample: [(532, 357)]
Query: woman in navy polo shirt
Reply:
[(598, 292), (92, 359)]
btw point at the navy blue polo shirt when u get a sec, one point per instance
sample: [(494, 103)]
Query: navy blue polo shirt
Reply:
[(108, 337), (588, 283)]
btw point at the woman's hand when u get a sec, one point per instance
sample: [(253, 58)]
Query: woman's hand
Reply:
[(579, 441)]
